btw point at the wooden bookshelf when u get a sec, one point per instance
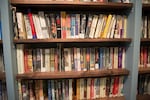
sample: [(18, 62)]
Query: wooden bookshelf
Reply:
[(72, 74), (74, 42), (145, 70), (143, 97), (72, 5)]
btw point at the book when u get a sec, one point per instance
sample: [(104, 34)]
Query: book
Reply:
[(43, 24), (53, 26), (21, 25), (105, 32), (28, 27), (32, 24), (93, 26), (63, 24)]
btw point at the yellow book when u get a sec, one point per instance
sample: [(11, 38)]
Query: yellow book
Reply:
[(104, 34)]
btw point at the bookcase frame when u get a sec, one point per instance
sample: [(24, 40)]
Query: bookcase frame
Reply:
[(132, 54)]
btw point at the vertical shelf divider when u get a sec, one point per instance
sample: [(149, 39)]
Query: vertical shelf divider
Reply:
[(132, 55), (9, 51)]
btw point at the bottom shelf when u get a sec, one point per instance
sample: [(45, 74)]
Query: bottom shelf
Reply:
[(143, 97)]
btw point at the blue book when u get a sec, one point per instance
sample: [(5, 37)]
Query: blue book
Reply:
[(0, 30), (49, 90), (101, 53)]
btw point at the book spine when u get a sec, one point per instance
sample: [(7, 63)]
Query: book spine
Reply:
[(32, 25), (49, 90)]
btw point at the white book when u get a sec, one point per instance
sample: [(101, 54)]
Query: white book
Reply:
[(117, 27), (70, 89), (88, 87), (126, 1), (99, 26), (102, 87), (81, 89), (28, 27), (121, 79), (20, 58), (47, 59), (93, 26), (125, 27), (97, 88), (37, 26), (115, 57), (43, 69), (21, 26), (67, 59), (78, 60), (123, 58), (113, 28), (43, 24)]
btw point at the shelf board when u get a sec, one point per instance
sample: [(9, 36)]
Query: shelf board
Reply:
[(74, 4), (28, 41), (119, 72), (73, 42), (145, 41), (112, 98), (145, 70), (146, 7), (72, 74), (143, 97), (107, 98)]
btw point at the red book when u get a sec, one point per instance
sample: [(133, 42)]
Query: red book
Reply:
[(25, 60), (32, 25), (92, 89), (116, 86)]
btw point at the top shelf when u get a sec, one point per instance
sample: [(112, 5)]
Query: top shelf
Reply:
[(71, 5)]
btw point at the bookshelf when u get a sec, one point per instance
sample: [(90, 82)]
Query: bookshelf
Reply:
[(132, 43), (145, 42)]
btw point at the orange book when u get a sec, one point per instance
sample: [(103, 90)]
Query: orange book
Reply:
[(63, 24)]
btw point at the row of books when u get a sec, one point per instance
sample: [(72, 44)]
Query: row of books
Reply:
[(42, 25), (69, 59), (145, 1), (144, 84), (69, 89), (144, 56), (145, 26)]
